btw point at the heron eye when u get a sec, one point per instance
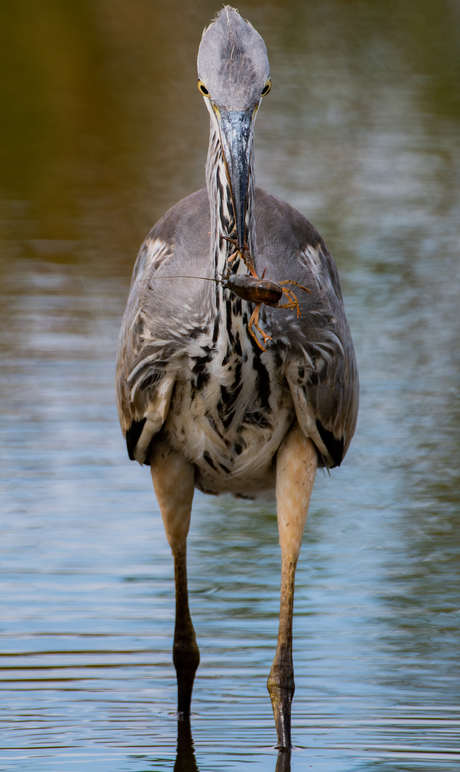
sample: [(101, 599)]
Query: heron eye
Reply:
[(202, 88), (266, 88)]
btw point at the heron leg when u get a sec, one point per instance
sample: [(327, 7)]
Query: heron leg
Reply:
[(174, 482), (186, 654), (296, 465)]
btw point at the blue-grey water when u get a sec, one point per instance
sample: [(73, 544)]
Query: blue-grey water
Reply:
[(102, 129)]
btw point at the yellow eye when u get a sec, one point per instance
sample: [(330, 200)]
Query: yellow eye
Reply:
[(202, 89), (266, 88)]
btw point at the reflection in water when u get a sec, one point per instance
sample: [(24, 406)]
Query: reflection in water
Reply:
[(283, 763), (185, 759), (361, 133)]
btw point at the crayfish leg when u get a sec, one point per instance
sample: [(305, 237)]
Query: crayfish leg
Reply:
[(290, 281), (232, 257), (293, 302), (248, 262), (254, 322)]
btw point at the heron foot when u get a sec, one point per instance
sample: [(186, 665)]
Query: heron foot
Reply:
[(281, 688)]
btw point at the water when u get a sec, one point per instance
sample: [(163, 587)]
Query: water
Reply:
[(361, 132)]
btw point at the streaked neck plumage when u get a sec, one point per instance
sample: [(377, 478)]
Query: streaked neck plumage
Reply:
[(223, 222)]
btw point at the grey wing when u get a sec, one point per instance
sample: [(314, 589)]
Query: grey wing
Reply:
[(162, 318), (316, 349)]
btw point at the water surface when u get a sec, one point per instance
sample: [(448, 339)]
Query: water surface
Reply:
[(103, 130)]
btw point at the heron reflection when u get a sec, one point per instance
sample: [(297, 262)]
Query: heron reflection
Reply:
[(186, 761)]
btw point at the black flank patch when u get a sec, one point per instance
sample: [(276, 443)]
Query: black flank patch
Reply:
[(227, 356), (262, 382), (196, 332), (334, 446), (237, 347), (229, 322), (202, 379), (237, 307), (229, 396), (209, 460), (215, 332), (278, 359), (199, 368), (219, 187), (226, 397), (226, 405), (132, 436), (200, 364), (226, 421), (239, 446)]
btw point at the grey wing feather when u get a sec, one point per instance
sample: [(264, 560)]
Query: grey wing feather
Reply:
[(161, 319), (319, 358)]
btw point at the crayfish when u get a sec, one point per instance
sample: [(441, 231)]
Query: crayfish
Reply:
[(259, 291)]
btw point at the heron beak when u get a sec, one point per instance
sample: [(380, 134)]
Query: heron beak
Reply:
[(236, 134)]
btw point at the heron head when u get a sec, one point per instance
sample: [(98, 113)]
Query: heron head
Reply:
[(234, 75)]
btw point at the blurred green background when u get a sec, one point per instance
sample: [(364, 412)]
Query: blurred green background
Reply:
[(102, 129)]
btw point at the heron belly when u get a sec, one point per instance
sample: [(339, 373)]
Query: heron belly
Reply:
[(232, 445)]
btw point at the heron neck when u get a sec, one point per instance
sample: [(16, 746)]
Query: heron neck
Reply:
[(223, 225)]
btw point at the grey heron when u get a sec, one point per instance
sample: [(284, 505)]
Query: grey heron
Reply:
[(212, 396)]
